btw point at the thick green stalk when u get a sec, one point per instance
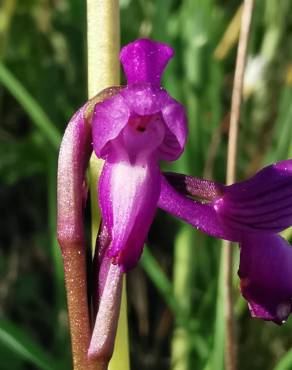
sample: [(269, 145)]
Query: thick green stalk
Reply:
[(103, 71)]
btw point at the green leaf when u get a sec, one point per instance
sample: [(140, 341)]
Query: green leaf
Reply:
[(30, 105), (285, 362), (18, 158), (23, 346), (160, 280)]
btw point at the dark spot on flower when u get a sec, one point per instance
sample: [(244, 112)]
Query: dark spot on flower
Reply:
[(244, 282), (141, 128)]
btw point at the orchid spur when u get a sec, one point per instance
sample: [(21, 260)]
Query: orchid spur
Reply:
[(131, 128)]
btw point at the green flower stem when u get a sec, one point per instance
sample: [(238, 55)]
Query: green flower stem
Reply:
[(103, 71)]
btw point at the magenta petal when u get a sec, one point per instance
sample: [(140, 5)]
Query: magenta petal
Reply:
[(269, 179), (266, 275), (146, 100), (201, 216), (264, 202), (175, 119), (128, 198), (144, 61), (112, 115), (105, 327), (109, 118)]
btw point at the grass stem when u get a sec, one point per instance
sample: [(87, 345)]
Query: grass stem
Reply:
[(103, 43), (230, 345)]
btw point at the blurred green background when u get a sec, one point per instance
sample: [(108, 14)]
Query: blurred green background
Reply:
[(175, 295)]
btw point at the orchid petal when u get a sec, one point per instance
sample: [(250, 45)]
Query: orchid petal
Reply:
[(131, 132), (201, 216), (111, 117), (264, 202), (105, 327), (147, 100), (266, 275), (106, 300), (144, 61), (128, 197)]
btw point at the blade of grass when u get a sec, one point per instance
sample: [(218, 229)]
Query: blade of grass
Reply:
[(165, 288), (285, 362), (23, 346), (103, 44), (184, 273), (281, 146), (230, 36), (31, 106), (216, 361), (230, 343), (7, 9), (160, 280)]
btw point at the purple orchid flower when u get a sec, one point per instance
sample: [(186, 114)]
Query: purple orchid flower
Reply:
[(251, 213), (132, 131), (133, 128)]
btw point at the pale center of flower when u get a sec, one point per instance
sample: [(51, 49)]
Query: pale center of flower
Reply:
[(136, 180), (142, 136)]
